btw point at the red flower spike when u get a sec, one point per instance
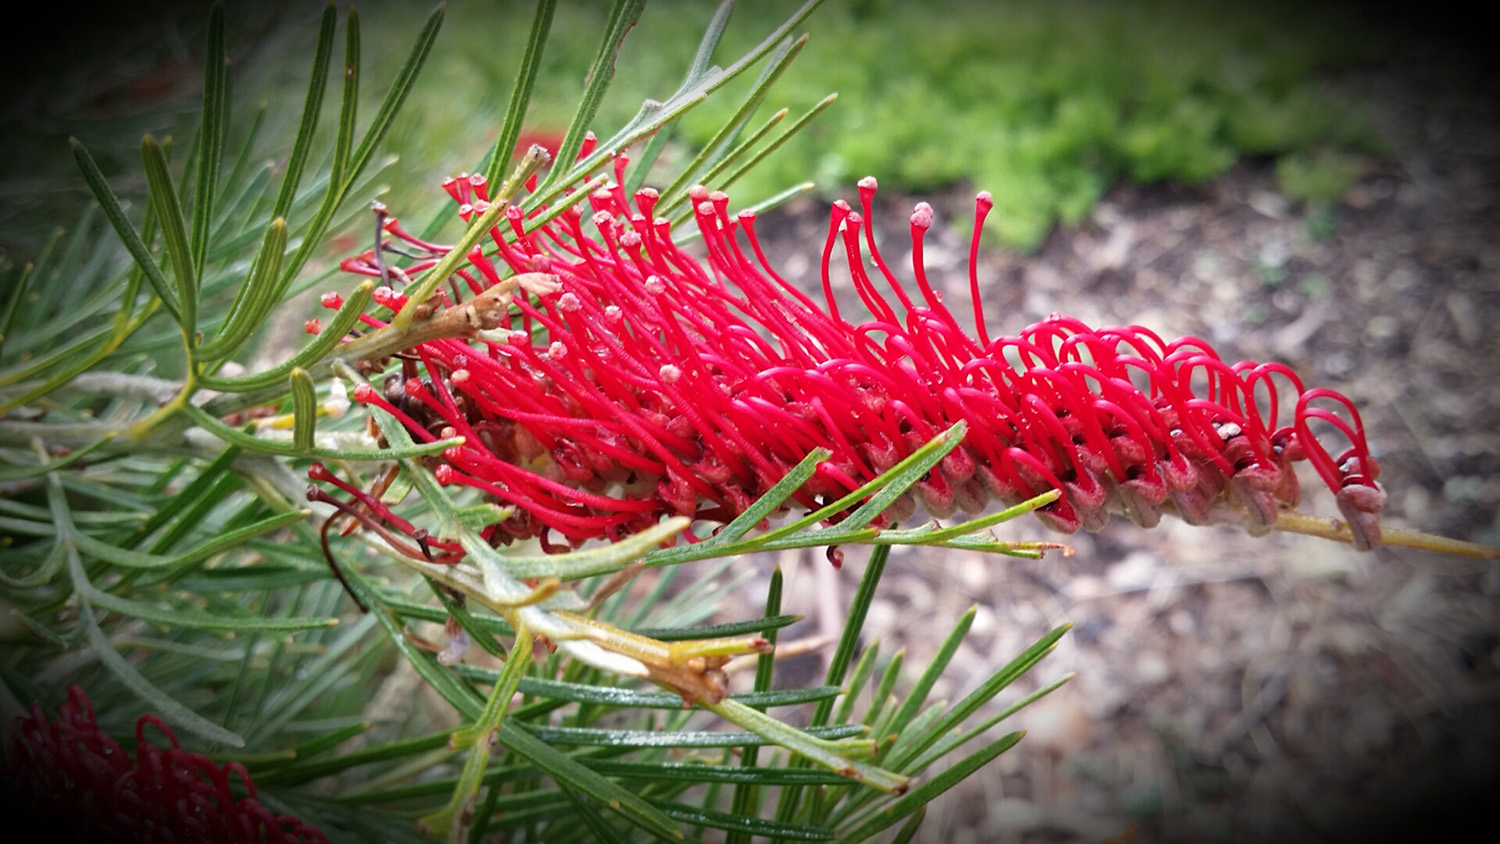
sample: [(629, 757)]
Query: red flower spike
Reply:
[(80, 784), (646, 382)]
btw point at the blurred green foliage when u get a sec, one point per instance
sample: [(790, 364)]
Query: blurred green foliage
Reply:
[(1043, 104)]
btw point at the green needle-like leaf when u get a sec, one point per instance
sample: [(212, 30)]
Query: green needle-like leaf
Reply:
[(520, 95), (935, 668), (304, 410), (256, 297), (313, 106), (184, 617), (174, 232), (210, 136), (928, 791), (569, 773), (160, 702), (134, 244)]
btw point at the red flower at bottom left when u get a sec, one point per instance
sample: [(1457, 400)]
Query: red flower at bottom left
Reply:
[(80, 784)]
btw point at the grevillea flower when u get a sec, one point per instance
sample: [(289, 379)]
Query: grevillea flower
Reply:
[(79, 784), (642, 380)]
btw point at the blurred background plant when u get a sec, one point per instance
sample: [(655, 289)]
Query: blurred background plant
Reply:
[(1044, 104)]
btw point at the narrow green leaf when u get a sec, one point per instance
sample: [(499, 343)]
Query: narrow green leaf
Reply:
[(909, 829), (520, 95), (773, 498), (935, 668), (406, 78), (599, 829), (328, 340), (928, 791), (349, 103), (622, 18), (304, 410), (882, 491), (862, 671), (137, 560), (16, 473), (785, 52), (312, 107), (745, 796), (159, 702), (192, 520), (760, 154), (883, 693), (194, 491), (569, 773), (174, 231), (198, 619), (593, 737), (210, 136), (301, 770), (698, 772), (242, 161), (952, 742), (603, 559), (479, 738), (843, 654), (255, 299), (345, 174), (702, 61), (13, 303), (250, 442), (986, 691), (768, 626), (444, 682), (743, 825), (127, 233)]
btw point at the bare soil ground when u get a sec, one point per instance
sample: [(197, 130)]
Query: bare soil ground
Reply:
[(1231, 688)]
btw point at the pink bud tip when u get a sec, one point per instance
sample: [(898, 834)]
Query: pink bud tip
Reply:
[(655, 286), (519, 338), (458, 376), (313, 326), (444, 473), (332, 300), (480, 206), (868, 183), (364, 393), (570, 302), (557, 351), (318, 472), (669, 373), (984, 200), (613, 313), (921, 216), (697, 193)]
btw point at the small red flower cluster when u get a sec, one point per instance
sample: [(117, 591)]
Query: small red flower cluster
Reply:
[(81, 785), (648, 381)]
